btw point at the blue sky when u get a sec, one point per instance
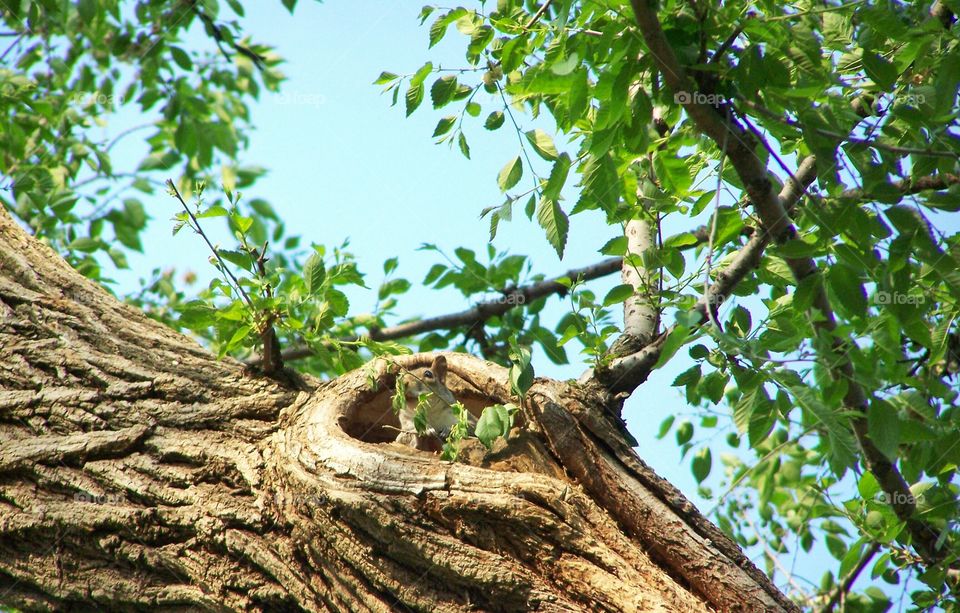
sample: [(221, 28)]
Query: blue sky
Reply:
[(344, 164)]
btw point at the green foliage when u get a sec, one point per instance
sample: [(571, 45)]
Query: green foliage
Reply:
[(870, 88), (872, 91), (74, 65), (495, 421), (521, 370), (460, 431)]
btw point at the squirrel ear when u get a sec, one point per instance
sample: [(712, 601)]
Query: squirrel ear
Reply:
[(439, 368)]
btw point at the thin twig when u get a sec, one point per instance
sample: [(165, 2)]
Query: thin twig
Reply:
[(15, 42), (844, 587), (216, 252), (846, 137), (537, 15)]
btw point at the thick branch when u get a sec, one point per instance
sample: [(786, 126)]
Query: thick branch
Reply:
[(640, 314)]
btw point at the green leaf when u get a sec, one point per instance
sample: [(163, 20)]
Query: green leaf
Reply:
[(615, 246), (413, 97), (618, 294), (213, 211), (558, 177), (494, 120), (846, 286), (542, 144), (701, 464), (521, 371), (439, 27), (443, 90), (464, 147), (684, 239), (554, 222), (601, 185), (495, 421), (87, 10), (181, 58), (883, 425), (883, 72), (444, 125), (665, 426), (548, 341), (314, 273), (386, 77), (510, 174), (85, 244), (675, 340)]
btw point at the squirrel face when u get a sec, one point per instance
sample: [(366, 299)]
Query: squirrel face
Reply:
[(438, 399)]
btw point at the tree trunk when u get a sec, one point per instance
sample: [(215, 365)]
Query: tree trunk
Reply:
[(138, 472)]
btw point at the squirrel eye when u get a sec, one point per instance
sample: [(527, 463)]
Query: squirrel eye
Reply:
[(428, 374)]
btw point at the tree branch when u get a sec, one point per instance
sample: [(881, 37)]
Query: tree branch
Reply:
[(512, 298), (911, 186), (776, 223), (847, 137), (844, 588), (640, 314), (626, 373)]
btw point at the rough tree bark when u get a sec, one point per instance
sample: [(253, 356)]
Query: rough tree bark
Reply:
[(138, 472)]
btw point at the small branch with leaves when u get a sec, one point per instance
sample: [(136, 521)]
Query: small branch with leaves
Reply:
[(263, 320)]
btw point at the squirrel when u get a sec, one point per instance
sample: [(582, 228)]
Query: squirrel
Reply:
[(438, 400)]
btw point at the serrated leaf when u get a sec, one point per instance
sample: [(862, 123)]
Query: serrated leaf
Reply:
[(542, 144), (601, 185), (555, 223), (314, 273), (510, 174), (558, 177), (494, 120), (439, 27), (464, 147), (444, 125), (413, 97), (442, 90)]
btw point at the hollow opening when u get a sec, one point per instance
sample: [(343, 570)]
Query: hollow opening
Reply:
[(372, 419)]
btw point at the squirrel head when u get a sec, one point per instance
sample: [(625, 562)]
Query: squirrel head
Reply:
[(431, 380)]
